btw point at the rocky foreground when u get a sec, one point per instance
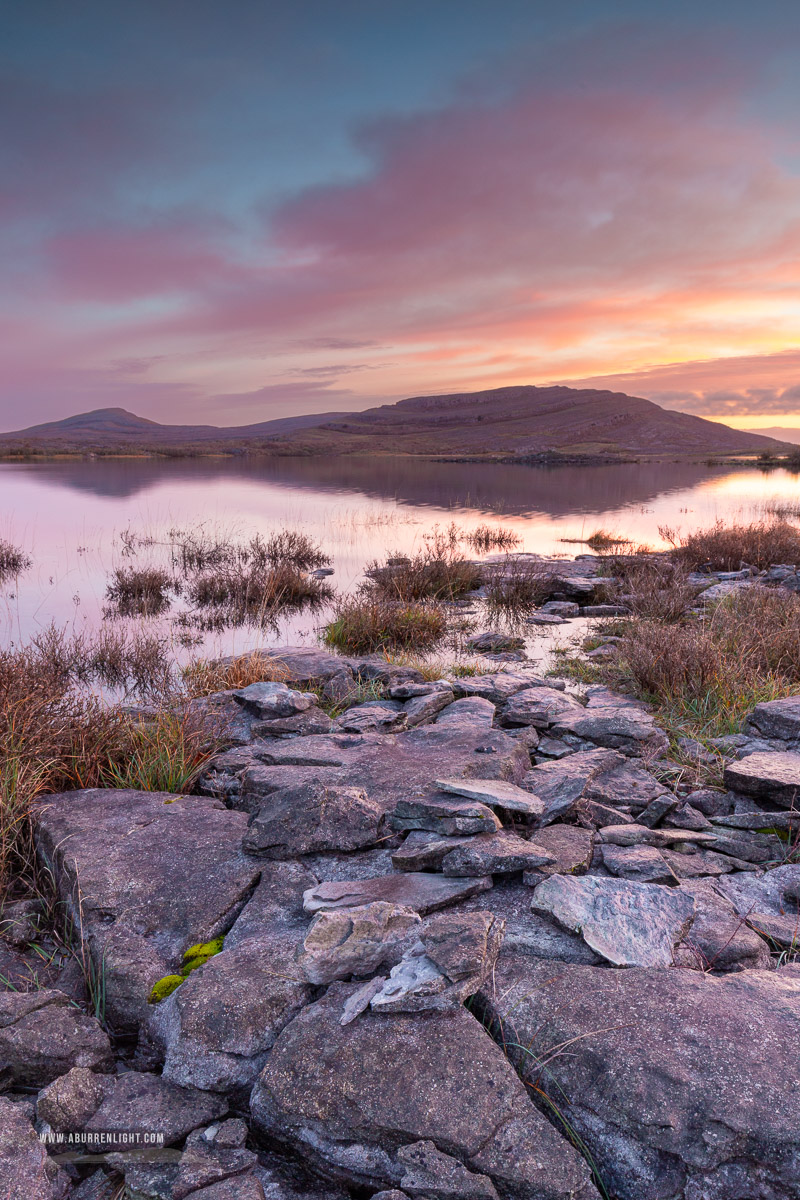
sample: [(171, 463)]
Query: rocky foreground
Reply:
[(463, 942)]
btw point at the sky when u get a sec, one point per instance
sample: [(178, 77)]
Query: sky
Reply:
[(226, 211)]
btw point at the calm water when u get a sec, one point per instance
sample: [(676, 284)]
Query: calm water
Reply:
[(69, 516)]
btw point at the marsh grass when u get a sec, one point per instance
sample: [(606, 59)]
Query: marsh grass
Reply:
[(13, 561), (484, 538), (370, 621), (142, 591), (254, 594), (437, 572), (204, 676), (728, 547), (654, 587), (516, 588)]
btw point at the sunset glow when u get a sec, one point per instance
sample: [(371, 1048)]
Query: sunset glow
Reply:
[(229, 216)]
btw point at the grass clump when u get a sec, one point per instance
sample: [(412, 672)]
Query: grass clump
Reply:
[(705, 676), (12, 560), (143, 591), (438, 572), (202, 678), (516, 588), (491, 537), (254, 594), (730, 547), (369, 621), (654, 587)]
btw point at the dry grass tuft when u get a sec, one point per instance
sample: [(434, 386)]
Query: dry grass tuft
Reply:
[(491, 537), (369, 621), (143, 591), (438, 572), (729, 547), (517, 587), (12, 560), (202, 678), (655, 588), (255, 594)]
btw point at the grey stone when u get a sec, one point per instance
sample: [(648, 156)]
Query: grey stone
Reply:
[(26, 1170), (424, 851), (43, 1035), (562, 608), (709, 802), (268, 700), (443, 815), (539, 706), (415, 984), (562, 784), (774, 777), (430, 1173), (133, 869), (495, 688), (642, 835), (642, 863), (421, 709), (776, 719), (629, 924), (773, 893), (570, 847), (69, 1101), (380, 715), (325, 750), (719, 940), (527, 932), (359, 1000), (470, 711), (760, 822), (605, 610), (683, 816), (490, 640), (354, 941), (314, 817), (704, 863), (154, 1105), (423, 893), (310, 723), (624, 728), (496, 793), (205, 1163), (543, 618), (677, 1082), (625, 784), (20, 922), (348, 1099), (495, 854), (657, 810)]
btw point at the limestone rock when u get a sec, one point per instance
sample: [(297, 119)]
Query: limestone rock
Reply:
[(43, 1035), (777, 719), (416, 890), (69, 1101), (496, 793), (562, 783), (774, 777), (311, 818), (540, 707), (142, 862), (425, 851), (443, 815), (570, 847), (341, 942), (268, 700), (470, 711), (629, 924), (379, 715), (678, 1082), (626, 729), (428, 1172), (642, 863), (26, 1170), (719, 940), (150, 1103), (349, 1098), (495, 854)]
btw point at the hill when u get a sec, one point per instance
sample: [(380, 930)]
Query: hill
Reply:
[(516, 422)]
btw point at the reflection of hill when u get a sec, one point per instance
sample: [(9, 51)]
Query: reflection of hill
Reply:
[(498, 488)]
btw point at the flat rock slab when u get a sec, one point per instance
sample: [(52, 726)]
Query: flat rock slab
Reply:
[(443, 814), (770, 776), (495, 688), (349, 1098), (43, 1035), (719, 940), (643, 863), (776, 719), (624, 728), (424, 851), (312, 818), (269, 700), (642, 835), (629, 924), (496, 793), (678, 1082), (156, 873), (416, 890), (561, 784), (526, 932), (539, 706), (628, 784), (774, 892), (495, 854), (570, 847)]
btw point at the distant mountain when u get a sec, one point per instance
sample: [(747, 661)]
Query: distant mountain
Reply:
[(509, 422), (781, 432)]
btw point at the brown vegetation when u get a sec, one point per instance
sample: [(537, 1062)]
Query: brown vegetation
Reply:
[(12, 560), (729, 547), (143, 591), (370, 621), (437, 572), (517, 587)]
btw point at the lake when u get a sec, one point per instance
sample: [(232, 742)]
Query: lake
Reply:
[(70, 517)]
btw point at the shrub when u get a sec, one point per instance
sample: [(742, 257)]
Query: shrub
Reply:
[(517, 587), (253, 595), (729, 547), (652, 587), (288, 547), (437, 572), (12, 560), (491, 537), (369, 621), (140, 591)]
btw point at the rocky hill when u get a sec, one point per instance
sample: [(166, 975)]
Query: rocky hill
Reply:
[(514, 421)]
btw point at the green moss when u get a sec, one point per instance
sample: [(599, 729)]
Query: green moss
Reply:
[(200, 953), (193, 958), (165, 987)]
